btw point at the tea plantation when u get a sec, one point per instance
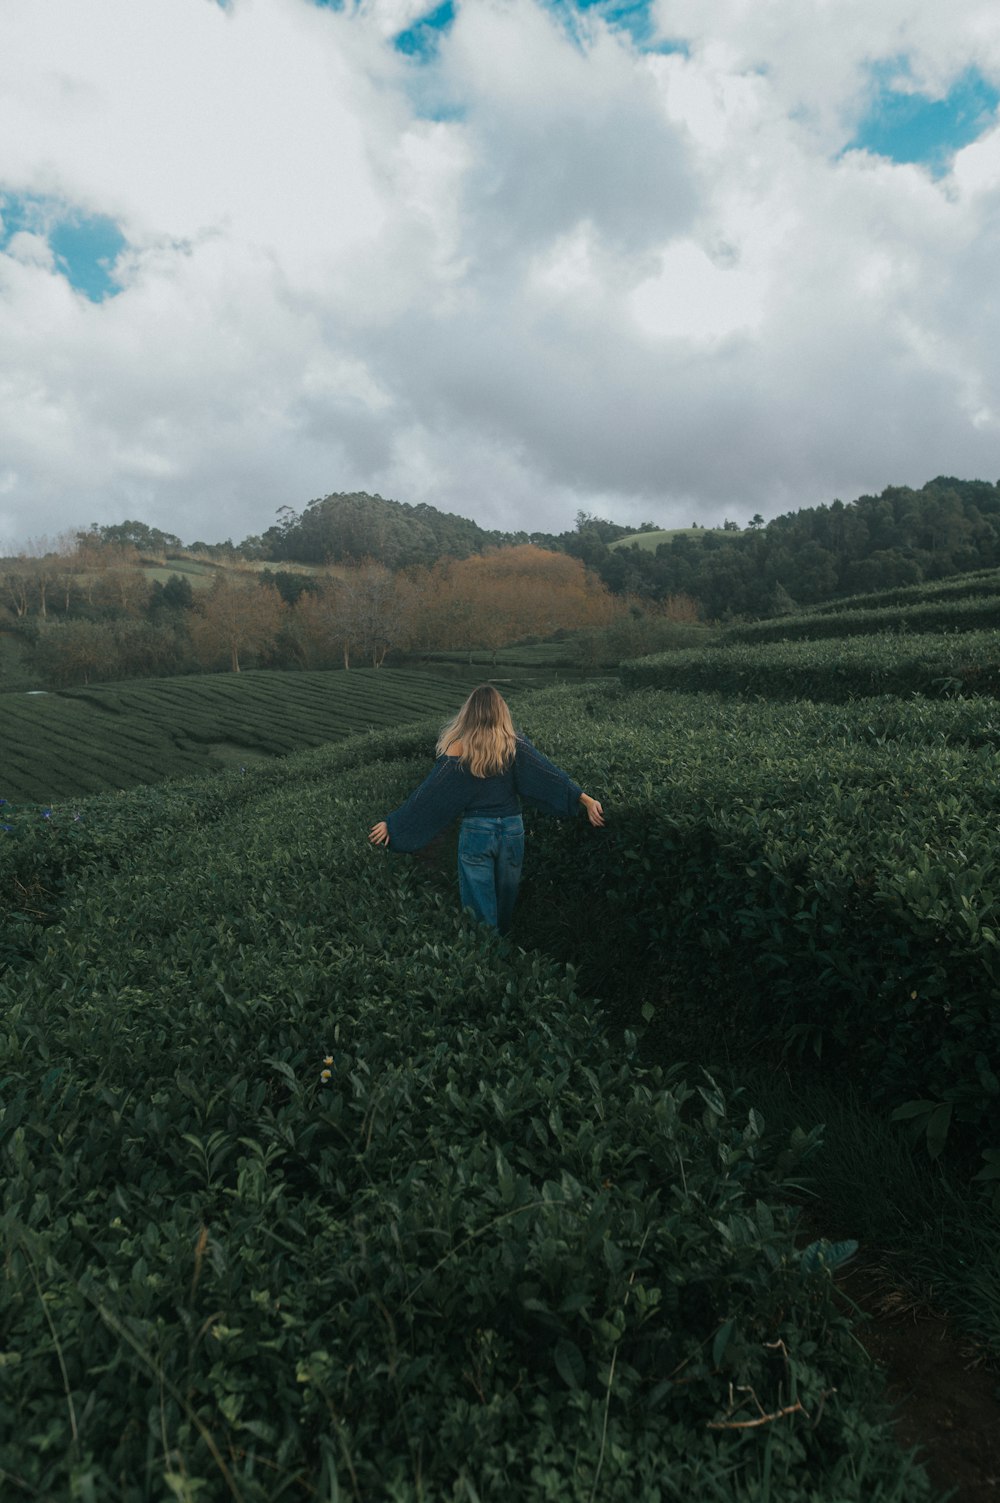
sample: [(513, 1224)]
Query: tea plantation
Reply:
[(113, 736), (313, 1188), (837, 669)]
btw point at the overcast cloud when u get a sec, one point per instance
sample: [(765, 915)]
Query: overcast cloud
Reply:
[(516, 264)]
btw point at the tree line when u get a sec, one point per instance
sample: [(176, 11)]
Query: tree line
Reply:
[(386, 575), (108, 619), (900, 537)]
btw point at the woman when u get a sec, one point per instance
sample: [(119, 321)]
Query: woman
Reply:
[(483, 769)]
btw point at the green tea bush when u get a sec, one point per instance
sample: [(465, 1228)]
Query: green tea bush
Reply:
[(957, 587), (847, 668), (947, 615), (313, 1187), (813, 879)]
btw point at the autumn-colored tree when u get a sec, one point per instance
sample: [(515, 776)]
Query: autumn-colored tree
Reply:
[(117, 581), (508, 594), (319, 626), (237, 616)]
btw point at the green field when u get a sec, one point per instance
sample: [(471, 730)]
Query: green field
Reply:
[(650, 541), (544, 655), (56, 746), (199, 575), (937, 611)]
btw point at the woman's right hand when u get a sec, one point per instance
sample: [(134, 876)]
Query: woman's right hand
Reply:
[(379, 834)]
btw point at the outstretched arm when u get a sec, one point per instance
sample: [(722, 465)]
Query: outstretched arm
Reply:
[(594, 811), (427, 811), (542, 783)]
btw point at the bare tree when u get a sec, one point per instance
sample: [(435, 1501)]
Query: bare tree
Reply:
[(374, 611), (238, 616)]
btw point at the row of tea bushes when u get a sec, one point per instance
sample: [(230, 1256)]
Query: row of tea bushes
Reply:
[(955, 587), (313, 1188), (839, 670), (110, 736), (946, 615), (813, 878)]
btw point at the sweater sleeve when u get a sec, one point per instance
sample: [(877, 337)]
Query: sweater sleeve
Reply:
[(541, 783), (430, 808)]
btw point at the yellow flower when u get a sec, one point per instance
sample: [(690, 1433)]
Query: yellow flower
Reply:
[(325, 1074), (328, 1060)]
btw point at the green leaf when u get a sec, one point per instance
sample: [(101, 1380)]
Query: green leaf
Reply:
[(911, 1109), (937, 1129), (722, 1339), (569, 1362), (828, 1255)]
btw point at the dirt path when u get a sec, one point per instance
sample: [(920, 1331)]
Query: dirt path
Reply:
[(948, 1399)]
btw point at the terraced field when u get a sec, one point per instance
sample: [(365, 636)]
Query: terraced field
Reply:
[(58, 746)]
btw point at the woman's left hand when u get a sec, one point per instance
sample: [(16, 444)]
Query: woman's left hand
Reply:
[(379, 834), (595, 813)]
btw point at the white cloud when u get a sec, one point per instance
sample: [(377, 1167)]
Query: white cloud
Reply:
[(642, 284)]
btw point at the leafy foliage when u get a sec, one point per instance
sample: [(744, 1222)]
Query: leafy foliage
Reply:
[(887, 542), (832, 870), (312, 1185)]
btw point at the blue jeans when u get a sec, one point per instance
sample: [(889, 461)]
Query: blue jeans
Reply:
[(490, 854)]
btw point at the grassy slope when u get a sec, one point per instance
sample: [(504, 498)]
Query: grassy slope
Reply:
[(201, 572), (650, 541)]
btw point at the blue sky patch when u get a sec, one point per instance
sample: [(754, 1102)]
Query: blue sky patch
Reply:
[(915, 128), (421, 40), (86, 250), (85, 246), (622, 15), (631, 16)]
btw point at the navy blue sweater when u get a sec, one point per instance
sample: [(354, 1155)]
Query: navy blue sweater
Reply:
[(450, 790)]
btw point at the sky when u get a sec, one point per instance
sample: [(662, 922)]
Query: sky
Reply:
[(665, 260)]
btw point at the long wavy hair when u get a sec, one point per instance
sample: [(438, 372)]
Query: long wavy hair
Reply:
[(486, 731)]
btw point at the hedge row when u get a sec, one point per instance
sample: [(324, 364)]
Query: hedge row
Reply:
[(811, 879), (955, 587), (110, 736), (848, 668), (313, 1188), (946, 615)]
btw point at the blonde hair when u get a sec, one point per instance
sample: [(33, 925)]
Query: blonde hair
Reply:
[(486, 731)]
